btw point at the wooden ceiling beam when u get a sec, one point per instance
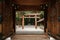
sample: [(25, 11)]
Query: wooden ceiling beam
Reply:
[(30, 2)]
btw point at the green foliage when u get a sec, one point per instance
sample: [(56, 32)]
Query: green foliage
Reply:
[(42, 14), (1, 0), (21, 13), (17, 18)]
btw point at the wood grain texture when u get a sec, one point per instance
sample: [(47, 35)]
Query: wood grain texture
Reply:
[(0, 16), (30, 37), (53, 18), (30, 2), (7, 19), (0, 28)]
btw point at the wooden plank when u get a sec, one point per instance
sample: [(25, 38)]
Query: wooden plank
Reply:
[(35, 21), (58, 15), (30, 2), (0, 28), (7, 23), (22, 22), (30, 17)]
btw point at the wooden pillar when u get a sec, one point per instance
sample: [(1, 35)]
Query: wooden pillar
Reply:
[(35, 21), (0, 28), (1, 8), (22, 22)]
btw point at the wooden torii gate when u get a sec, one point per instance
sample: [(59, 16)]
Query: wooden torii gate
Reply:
[(35, 15)]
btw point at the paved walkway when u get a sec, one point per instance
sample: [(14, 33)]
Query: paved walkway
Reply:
[(29, 29), (30, 37)]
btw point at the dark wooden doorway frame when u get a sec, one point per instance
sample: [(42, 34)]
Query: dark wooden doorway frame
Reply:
[(25, 8)]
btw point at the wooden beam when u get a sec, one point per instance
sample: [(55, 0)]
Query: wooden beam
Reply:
[(30, 2), (22, 22), (36, 21), (0, 28)]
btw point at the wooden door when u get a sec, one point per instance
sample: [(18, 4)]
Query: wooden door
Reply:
[(7, 19), (51, 20), (54, 19), (0, 16), (58, 17)]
